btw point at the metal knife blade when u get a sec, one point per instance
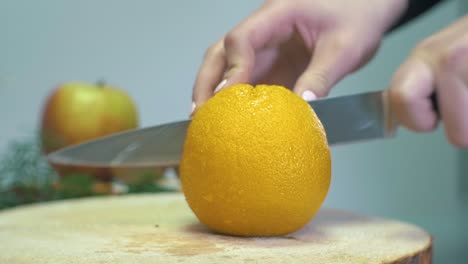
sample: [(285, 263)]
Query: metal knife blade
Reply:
[(352, 118), (346, 119)]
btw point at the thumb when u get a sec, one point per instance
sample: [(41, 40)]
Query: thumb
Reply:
[(334, 56)]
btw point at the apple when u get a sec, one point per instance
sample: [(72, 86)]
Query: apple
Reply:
[(77, 111)]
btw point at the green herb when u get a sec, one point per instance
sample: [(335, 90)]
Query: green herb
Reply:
[(26, 177)]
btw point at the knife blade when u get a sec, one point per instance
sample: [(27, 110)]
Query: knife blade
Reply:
[(346, 119)]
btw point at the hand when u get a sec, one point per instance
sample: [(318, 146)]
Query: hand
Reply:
[(440, 64), (307, 45)]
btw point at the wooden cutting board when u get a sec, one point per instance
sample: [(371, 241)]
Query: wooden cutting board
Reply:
[(160, 228)]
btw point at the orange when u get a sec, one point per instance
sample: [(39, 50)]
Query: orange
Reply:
[(256, 162)]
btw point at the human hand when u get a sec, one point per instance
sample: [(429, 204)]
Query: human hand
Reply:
[(307, 45), (438, 64)]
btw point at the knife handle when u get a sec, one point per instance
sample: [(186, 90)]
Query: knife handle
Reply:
[(435, 103)]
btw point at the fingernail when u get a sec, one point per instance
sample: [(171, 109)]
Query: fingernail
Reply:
[(220, 85), (193, 108), (308, 95)]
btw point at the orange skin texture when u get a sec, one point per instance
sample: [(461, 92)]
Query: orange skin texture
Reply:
[(256, 162), (76, 112)]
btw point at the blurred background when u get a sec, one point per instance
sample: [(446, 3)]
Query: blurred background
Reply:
[(152, 49)]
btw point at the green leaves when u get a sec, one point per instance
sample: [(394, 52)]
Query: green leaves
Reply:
[(26, 177), (24, 165)]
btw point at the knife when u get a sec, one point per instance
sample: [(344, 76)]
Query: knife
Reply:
[(346, 119)]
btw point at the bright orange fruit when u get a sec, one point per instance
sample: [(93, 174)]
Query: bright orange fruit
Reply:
[(256, 162)]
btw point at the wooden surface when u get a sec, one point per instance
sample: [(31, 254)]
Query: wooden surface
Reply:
[(162, 229)]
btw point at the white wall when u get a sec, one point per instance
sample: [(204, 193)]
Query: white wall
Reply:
[(150, 48), (153, 49)]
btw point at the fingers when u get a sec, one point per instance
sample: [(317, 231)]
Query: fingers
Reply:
[(232, 59), (417, 79), (409, 94), (268, 26), (209, 75), (335, 55), (452, 83), (440, 64)]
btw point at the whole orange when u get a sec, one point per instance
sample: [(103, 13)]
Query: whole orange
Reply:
[(256, 162)]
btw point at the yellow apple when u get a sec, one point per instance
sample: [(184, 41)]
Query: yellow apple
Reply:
[(78, 111)]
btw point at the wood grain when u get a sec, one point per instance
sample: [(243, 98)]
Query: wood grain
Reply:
[(160, 228)]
